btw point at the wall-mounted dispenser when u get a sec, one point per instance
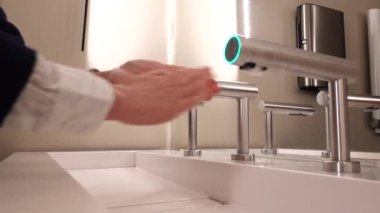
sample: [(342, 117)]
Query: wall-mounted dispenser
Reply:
[(319, 29)]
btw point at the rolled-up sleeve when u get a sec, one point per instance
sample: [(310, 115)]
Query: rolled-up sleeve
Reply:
[(58, 97)]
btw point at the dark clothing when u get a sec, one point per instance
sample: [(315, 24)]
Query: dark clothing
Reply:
[(16, 65)]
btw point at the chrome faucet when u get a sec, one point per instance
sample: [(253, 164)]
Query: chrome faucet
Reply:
[(193, 134), (270, 108), (254, 55), (366, 103), (242, 92)]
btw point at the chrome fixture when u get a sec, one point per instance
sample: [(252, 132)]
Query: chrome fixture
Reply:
[(366, 103), (237, 90), (193, 135), (322, 99), (242, 92), (270, 108), (373, 17), (254, 55), (257, 55), (319, 29)]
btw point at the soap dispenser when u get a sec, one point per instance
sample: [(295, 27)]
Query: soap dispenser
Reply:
[(319, 29)]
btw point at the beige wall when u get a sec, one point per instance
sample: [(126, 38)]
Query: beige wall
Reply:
[(306, 133), (202, 28), (274, 21), (54, 28), (200, 40), (55, 32)]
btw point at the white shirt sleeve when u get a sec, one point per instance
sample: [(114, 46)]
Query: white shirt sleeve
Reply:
[(58, 97)]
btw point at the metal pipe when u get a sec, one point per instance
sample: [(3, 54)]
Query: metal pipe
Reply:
[(237, 90), (269, 147), (271, 108), (323, 100), (193, 119), (327, 153), (340, 151), (242, 92), (243, 126), (367, 103), (253, 53), (243, 132), (340, 160), (193, 135), (285, 108)]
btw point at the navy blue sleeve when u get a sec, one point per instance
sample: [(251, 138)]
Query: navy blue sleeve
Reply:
[(16, 65), (9, 28)]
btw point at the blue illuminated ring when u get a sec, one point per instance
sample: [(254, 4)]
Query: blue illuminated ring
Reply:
[(233, 61)]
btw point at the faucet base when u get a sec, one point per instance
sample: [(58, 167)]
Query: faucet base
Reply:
[(341, 167), (242, 157), (269, 151), (189, 153), (326, 154)]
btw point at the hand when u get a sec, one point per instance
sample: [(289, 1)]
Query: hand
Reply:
[(128, 71), (148, 93)]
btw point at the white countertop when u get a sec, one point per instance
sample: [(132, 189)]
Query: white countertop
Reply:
[(34, 182), (165, 181)]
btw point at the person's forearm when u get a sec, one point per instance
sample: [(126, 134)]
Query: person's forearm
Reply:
[(61, 98)]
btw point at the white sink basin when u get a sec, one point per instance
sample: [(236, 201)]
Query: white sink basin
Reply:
[(165, 181)]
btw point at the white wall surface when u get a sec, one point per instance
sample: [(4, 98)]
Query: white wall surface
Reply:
[(203, 26), (119, 30), (122, 30)]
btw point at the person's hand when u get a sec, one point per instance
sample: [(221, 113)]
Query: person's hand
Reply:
[(130, 70), (148, 93)]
